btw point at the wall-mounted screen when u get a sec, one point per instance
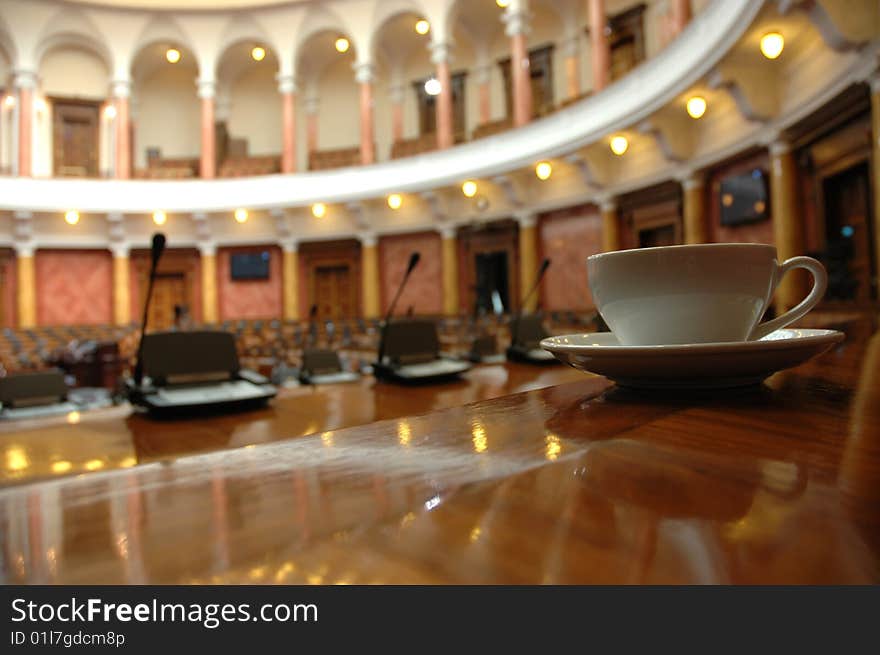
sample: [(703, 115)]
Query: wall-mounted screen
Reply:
[(744, 198), (249, 265)]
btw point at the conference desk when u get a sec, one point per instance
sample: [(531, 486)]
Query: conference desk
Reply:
[(581, 482)]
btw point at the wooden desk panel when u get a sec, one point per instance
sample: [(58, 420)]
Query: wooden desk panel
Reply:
[(578, 483)]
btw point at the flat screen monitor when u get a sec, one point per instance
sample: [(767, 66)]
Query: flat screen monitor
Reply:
[(744, 198), (249, 265)]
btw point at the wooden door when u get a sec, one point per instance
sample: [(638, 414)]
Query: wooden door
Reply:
[(333, 291), (169, 290), (75, 138)]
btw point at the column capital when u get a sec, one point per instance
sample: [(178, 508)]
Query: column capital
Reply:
[(364, 72), (482, 73), (516, 21), (368, 239), (290, 245), (570, 47), (779, 146), (286, 83), (397, 93), (25, 249), (24, 79), (207, 249), (207, 88), (120, 250), (526, 219), (607, 203), (120, 88), (448, 232), (441, 52), (874, 81), (311, 105), (691, 180)]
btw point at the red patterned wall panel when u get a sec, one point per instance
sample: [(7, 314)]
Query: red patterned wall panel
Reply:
[(74, 287), (424, 291), (568, 237), (249, 298)]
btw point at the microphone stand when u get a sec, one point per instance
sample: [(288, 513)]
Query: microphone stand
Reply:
[(413, 261), (158, 246), (515, 333)]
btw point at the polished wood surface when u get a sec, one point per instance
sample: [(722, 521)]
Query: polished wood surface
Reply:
[(582, 482)]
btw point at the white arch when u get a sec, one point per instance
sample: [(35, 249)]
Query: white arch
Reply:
[(241, 29), (71, 27)]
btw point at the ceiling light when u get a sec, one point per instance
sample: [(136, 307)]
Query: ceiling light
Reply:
[(772, 44), (110, 112), (619, 144), (94, 465), (423, 26), (241, 215), (469, 188), (319, 210), (342, 44), (159, 217), (172, 55), (696, 107), (72, 217), (61, 466), (543, 170), (395, 201), (258, 53), (433, 87), (9, 101), (502, 3)]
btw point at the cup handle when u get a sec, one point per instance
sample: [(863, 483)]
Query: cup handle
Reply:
[(820, 283)]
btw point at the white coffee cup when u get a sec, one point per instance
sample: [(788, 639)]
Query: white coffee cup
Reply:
[(695, 294)]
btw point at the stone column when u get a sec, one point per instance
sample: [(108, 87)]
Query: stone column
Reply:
[(440, 55), (287, 89), (121, 96), (528, 259), (208, 254), (312, 104), (599, 49), (397, 96), (121, 285), (788, 229), (207, 89), (680, 15), (290, 278), (26, 286), (370, 276), (610, 225), (694, 209), (450, 271), (572, 68), (25, 82), (517, 27), (365, 75), (483, 79)]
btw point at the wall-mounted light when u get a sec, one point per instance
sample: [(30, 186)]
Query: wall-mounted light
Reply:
[(422, 26), (772, 44), (395, 201), (469, 188), (619, 144), (9, 102), (502, 3), (544, 170), (241, 215), (433, 87), (258, 53), (172, 55), (342, 44), (110, 112), (72, 217), (696, 106), (159, 217), (319, 210), (41, 106)]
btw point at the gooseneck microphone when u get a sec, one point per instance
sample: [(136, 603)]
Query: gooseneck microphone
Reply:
[(156, 250), (514, 339), (413, 262)]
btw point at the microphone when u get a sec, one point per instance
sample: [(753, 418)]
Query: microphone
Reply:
[(156, 250), (544, 266), (313, 329), (413, 262)]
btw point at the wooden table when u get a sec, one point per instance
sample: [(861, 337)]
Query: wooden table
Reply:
[(577, 483)]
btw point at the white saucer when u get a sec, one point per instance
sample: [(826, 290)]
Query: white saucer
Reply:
[(692, 366)]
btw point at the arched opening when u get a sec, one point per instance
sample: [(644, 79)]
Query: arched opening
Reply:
[(165, 111), (248, 111), (329, 98)]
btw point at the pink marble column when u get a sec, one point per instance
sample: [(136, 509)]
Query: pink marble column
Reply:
[(397, 98), (485, 93), (443, 106), (519, 67), (288, 124), (24, 82), (572, 68), (599, 48), (121, 94), (680, 15), (208, 158), (364, 75)]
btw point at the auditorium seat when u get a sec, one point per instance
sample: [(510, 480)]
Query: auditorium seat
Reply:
[(337, 158)]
